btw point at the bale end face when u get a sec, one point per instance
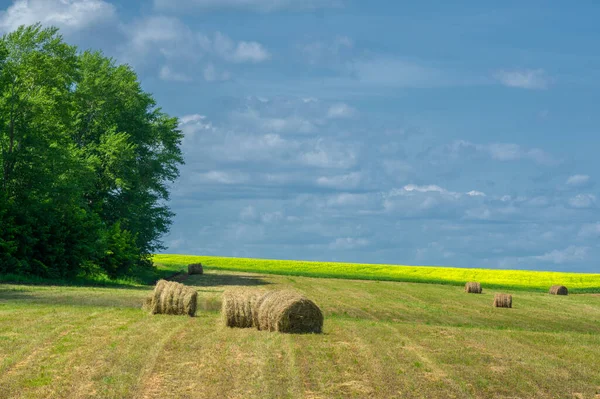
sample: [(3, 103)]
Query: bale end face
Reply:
[(195, 268), (503, 301), (473, 288), (559, 290)]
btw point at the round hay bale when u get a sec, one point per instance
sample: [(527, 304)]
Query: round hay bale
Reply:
[(559, 290), (173, 298), (473, 288), (289, 312), (195, 268), (503, 301), (238, 307)]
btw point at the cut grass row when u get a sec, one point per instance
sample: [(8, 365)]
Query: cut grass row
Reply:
[(490, 279)]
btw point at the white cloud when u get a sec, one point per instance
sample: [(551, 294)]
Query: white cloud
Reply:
[(282, 124), (347, 199), (340, 111), (524, 79), (256, 5), (329, 155), (271, 217), (570, 254), (590, 230), (211, 74), (240, 52), (582, 201), (222, 177), (432, 188), (348, 243), (503, 152), (170, 41), (475, 193), (578, 180), (169, 75), (70, 15), (161, 36), (348, 181)]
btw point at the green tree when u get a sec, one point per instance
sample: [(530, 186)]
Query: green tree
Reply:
[(132, 147), (85, 160)]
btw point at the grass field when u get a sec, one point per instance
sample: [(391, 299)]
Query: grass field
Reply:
[(381, 340), (500, 279)]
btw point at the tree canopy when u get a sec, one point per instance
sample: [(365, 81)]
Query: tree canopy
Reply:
[(86, 157)]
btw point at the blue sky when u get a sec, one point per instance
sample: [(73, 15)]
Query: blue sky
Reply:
[(434, 133)]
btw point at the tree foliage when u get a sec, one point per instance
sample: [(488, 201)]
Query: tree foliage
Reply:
[(85, 161)]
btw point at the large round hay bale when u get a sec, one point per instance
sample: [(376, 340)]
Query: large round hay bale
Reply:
[(559, 290), (195, 268), (238, 307), (173, 298), (289, 312), (473, 288), (503, 301)]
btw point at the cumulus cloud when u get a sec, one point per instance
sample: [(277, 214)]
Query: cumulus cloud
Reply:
[(524, 79), (578, 180), (277, 124), (255, 5), (582, 201), (475, 193), (69, 15), (500, 151), (329, 155), (171, 42), (340, 111), (167, 74), (240, 52), (222, 177), (211, 74), (590, 230), (347, 181)]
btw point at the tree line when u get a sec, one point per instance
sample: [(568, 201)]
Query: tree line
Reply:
[(86, 157)]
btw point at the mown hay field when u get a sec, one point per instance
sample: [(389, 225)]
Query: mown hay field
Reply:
[(380, 340), (512, 279)]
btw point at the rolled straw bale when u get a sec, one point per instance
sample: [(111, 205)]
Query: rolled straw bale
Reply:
[(559, 290), (473, 288), (289, 312), (173, 298), (195, 268), (238, 307), (503, 301)]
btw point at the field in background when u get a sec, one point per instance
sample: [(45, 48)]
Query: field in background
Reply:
[(381, 339), (511, 279)]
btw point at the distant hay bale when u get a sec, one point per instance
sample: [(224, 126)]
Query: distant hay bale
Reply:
[(288, 312), (173, 298), (195, 268), (503, 301), (559, 290), (238, 307), (473, 288)]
